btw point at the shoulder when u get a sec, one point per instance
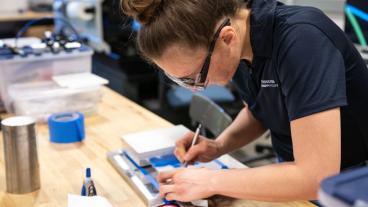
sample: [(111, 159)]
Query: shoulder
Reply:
[(290, 15), (301, 28), (300, 19)]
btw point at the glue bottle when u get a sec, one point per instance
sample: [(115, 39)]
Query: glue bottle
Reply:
[(88, 188)]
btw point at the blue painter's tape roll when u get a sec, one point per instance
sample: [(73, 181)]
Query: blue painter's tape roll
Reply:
[(66, 127)]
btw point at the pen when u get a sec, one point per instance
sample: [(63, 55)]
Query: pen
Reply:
[(196, 135), (88, 188)]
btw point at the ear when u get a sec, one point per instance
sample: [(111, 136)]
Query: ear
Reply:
[(227, 35)]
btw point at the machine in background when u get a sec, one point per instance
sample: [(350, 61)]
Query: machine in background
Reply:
[(35, 74), (112, 36), (86, 17)]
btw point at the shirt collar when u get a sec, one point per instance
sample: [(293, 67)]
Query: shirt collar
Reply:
[(261, 27)]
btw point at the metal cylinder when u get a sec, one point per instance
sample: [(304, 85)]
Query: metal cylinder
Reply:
[(20, 154)]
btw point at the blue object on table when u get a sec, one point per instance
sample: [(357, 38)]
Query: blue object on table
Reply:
[(347, 189), (66, 127), (179, 96), (171, 160), (165, 160)]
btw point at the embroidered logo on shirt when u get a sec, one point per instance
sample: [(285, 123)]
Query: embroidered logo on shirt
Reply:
[(269, 84)]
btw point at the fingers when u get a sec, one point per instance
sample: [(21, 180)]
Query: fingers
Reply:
[(172, 197), (166, 189), (180, 153), (169, 192), (176, 196), (182, 145), (164, 176), (195, 152)]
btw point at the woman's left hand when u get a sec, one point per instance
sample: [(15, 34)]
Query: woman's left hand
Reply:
[(187, 184)]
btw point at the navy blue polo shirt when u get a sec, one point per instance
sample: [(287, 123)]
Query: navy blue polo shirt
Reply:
[(304, 64)]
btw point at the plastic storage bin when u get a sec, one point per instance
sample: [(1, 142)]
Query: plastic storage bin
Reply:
[(39, 100), (34, 68), (346, 190), (13, 6)]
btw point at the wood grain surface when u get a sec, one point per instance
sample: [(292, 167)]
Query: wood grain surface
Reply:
[(62, 166)]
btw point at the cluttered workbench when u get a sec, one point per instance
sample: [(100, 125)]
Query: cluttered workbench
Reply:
[(62, 165)]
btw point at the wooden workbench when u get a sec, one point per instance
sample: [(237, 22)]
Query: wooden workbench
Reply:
[(62, 166)]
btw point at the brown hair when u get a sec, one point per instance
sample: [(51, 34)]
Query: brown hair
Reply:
[(188, 22)]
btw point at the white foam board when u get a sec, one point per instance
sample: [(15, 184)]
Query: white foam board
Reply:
[(154, 143)]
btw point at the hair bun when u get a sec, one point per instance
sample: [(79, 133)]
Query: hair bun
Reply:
[(141, 10)]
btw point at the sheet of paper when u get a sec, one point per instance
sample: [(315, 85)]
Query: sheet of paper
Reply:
[(154, 143), (87, 201), (79, 80)]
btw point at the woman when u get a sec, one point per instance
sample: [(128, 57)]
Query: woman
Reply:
[(299, 75)]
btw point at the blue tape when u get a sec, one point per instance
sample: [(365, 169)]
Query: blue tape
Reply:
[(165, 160), (148, 176), (160, 162), (66, 127), (171, 160)]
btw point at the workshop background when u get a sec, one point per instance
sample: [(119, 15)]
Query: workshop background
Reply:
[(94, 35)]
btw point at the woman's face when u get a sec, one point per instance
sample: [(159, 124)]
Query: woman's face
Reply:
[(184, 62)]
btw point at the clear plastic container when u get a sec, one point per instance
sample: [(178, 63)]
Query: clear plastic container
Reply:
[(13, 6), (41, 99), (41, 68)]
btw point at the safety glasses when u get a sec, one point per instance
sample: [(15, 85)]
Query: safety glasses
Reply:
[(200, 81)]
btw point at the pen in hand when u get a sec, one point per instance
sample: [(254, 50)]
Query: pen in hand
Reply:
[(196, 135)]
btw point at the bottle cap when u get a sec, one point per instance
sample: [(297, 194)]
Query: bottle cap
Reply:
[(88, 172)]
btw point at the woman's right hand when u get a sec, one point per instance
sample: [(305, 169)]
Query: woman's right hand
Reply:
[(205, 150)]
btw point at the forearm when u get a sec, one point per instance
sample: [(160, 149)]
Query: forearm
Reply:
[(278, 182), (244, 129), (317, 153)]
